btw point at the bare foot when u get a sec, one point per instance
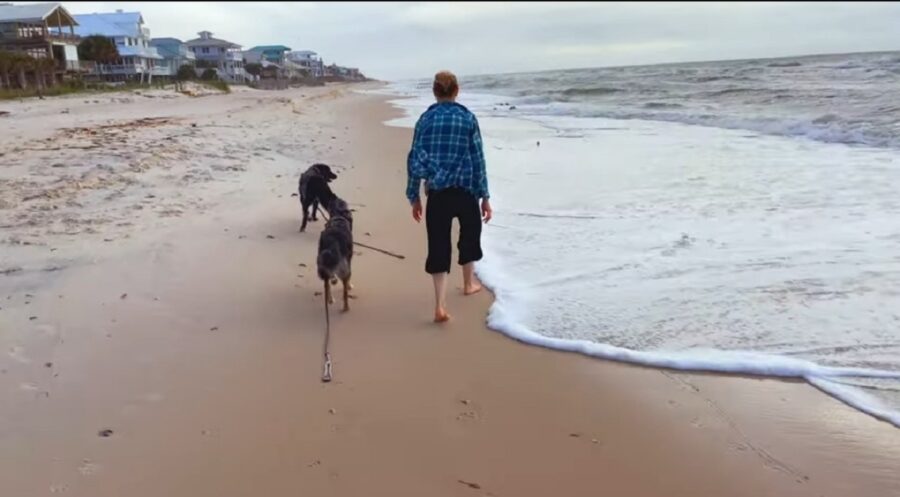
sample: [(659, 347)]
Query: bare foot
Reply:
[(441, 316), (472, 289)]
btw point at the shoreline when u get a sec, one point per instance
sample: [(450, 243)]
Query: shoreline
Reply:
[(506, 133), (207, 371)]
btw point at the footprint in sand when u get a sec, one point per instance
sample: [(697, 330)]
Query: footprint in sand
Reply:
[(473, 413), (47, 330), (88, 468), (17, 354)]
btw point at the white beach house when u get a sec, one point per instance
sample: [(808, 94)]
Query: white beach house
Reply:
[(308, 61), (223, 56), (137, 59)]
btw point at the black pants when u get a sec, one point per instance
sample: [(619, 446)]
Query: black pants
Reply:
[(443, 206)]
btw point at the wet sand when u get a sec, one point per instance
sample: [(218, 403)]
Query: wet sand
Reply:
[(183, 357)]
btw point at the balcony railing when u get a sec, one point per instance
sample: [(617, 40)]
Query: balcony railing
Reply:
[(63, 37), (121, 69), (36, 37)]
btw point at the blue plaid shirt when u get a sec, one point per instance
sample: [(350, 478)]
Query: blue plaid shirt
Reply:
[(447, 152)]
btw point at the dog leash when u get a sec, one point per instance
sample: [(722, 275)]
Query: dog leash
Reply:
[(385, 252), (326, 372)]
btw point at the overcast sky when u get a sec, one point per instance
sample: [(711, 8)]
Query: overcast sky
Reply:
[(404, 40)]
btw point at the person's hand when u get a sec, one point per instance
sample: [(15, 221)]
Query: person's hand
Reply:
[(417, 210), (486, 212)]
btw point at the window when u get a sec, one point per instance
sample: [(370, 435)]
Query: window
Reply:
[(205, 49)]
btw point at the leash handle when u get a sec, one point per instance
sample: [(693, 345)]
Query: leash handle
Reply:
[(326, 372)]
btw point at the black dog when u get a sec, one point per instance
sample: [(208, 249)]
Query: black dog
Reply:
[(311, 196), (336, 249)]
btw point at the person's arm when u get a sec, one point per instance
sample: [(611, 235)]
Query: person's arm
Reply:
[(414, 173), (476, 153), (480, 170)]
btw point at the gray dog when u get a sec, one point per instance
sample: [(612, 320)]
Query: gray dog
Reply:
[(336, 250)]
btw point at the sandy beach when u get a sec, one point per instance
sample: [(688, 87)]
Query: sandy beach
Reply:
[(162, 334)]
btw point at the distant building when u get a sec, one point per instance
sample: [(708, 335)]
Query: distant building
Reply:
[(41, 30), (308, 61), (223, 56), (270, 53), (345, 73), (137, 59), (174, 53)]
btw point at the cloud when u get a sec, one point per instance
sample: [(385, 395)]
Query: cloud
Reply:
[(614, 48), (402, 40)]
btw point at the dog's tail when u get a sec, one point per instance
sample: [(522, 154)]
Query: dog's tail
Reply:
[(327, 262)]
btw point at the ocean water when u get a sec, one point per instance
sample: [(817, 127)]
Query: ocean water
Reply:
[(733, 216)]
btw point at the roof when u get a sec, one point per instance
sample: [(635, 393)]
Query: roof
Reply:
[(211, 42), (110, 24), (267, 48), (35, 12), (160, 41)]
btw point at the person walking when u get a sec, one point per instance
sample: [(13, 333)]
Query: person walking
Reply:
[(447, 156)]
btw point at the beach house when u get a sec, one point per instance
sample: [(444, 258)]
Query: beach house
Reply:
[(335, 71), (308, 61), (223, 56), (174, 53), (42, 30), (271, 53), (137, 59)]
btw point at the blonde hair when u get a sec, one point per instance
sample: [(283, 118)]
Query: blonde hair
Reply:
[(445, 84)]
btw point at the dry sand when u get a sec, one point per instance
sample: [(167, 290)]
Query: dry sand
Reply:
[(182, 356)]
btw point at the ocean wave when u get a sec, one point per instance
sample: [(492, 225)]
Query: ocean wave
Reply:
[(737, 91), (662, 105), (709, 79), (757, 95), (828, 128), (597, 90), (504, 317)]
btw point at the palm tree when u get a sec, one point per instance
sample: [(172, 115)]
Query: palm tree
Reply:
[(6, 63), (22, 63), (98, 49), (37, 67), (48, 68)]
